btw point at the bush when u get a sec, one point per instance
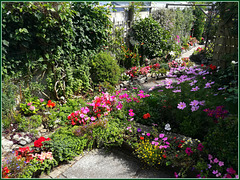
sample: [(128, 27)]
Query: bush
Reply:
[(155, 38), (104, 68), (222, 141)]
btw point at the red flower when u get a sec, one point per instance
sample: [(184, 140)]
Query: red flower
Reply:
[(182, 141), (202, 65), (180, 145), (145, 116), (6, 169), (176, 155), (51, 104), (142, 138), (174, 138), (164, 156)]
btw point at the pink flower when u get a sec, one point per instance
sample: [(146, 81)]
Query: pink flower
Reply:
[(164, 139), (93, 118), (148, 134), (215, 160), (29, 104), (181, 105), (41, 100), (194, 103), (202, 103), (207, 85), (221, 163), (210, 156), (161, 135), (194, 108), (32, 108), (219, 174), (131, 114), (195, 89), (130, 110), (215, 171)]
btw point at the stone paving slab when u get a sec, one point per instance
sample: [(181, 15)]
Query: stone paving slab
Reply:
[(101, 163)]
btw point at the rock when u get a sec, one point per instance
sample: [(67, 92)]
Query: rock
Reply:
[(43, 130), (16, 137), (6, 144), (28, 139), (22, 141)]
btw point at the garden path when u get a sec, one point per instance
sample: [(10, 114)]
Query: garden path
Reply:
[(146, 86), (116, 163), (103, 163)]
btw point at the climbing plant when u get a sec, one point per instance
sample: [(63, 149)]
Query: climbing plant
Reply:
[(53, 41)]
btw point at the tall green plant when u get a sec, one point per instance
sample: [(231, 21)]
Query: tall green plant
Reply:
[(198, 24)]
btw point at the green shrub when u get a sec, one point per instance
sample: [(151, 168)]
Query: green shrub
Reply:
[(104, 68), (65, 145), (222, 141), (155, 38), (198, 24), (26, 124)]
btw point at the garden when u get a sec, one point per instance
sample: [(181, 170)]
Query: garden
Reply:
[(70, 83)]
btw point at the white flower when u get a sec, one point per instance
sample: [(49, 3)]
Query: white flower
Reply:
[(234, 62), (167, 127), (171, 53)]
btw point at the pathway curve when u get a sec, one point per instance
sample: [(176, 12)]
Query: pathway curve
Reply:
[(146, 86), (101, 163)]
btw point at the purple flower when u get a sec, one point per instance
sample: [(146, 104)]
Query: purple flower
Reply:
[(164, 139), (209, 166), (219, 174), (156, 139), (181, 105), (195, 89), (220, 163), (215, 171), (139, 130), (175, 91)]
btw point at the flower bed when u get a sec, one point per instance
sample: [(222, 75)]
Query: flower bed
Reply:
[(110, 120)]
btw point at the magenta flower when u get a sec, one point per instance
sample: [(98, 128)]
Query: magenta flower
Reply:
[(220, 163), (215, 171), (32, 108), (41, 100), (156, 139), (188, 151), (130, 110), (164, 139), (161, 135), (181, 105), (200, 147), (29, 104), (131, 114), (141, 91), (176, 175), (148, 134), (93, 118), (209, 166), (219, 174), (231, 170), (195, 89)]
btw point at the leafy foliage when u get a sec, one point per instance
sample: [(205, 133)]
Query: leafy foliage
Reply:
[(155, 38), (104, 68)]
